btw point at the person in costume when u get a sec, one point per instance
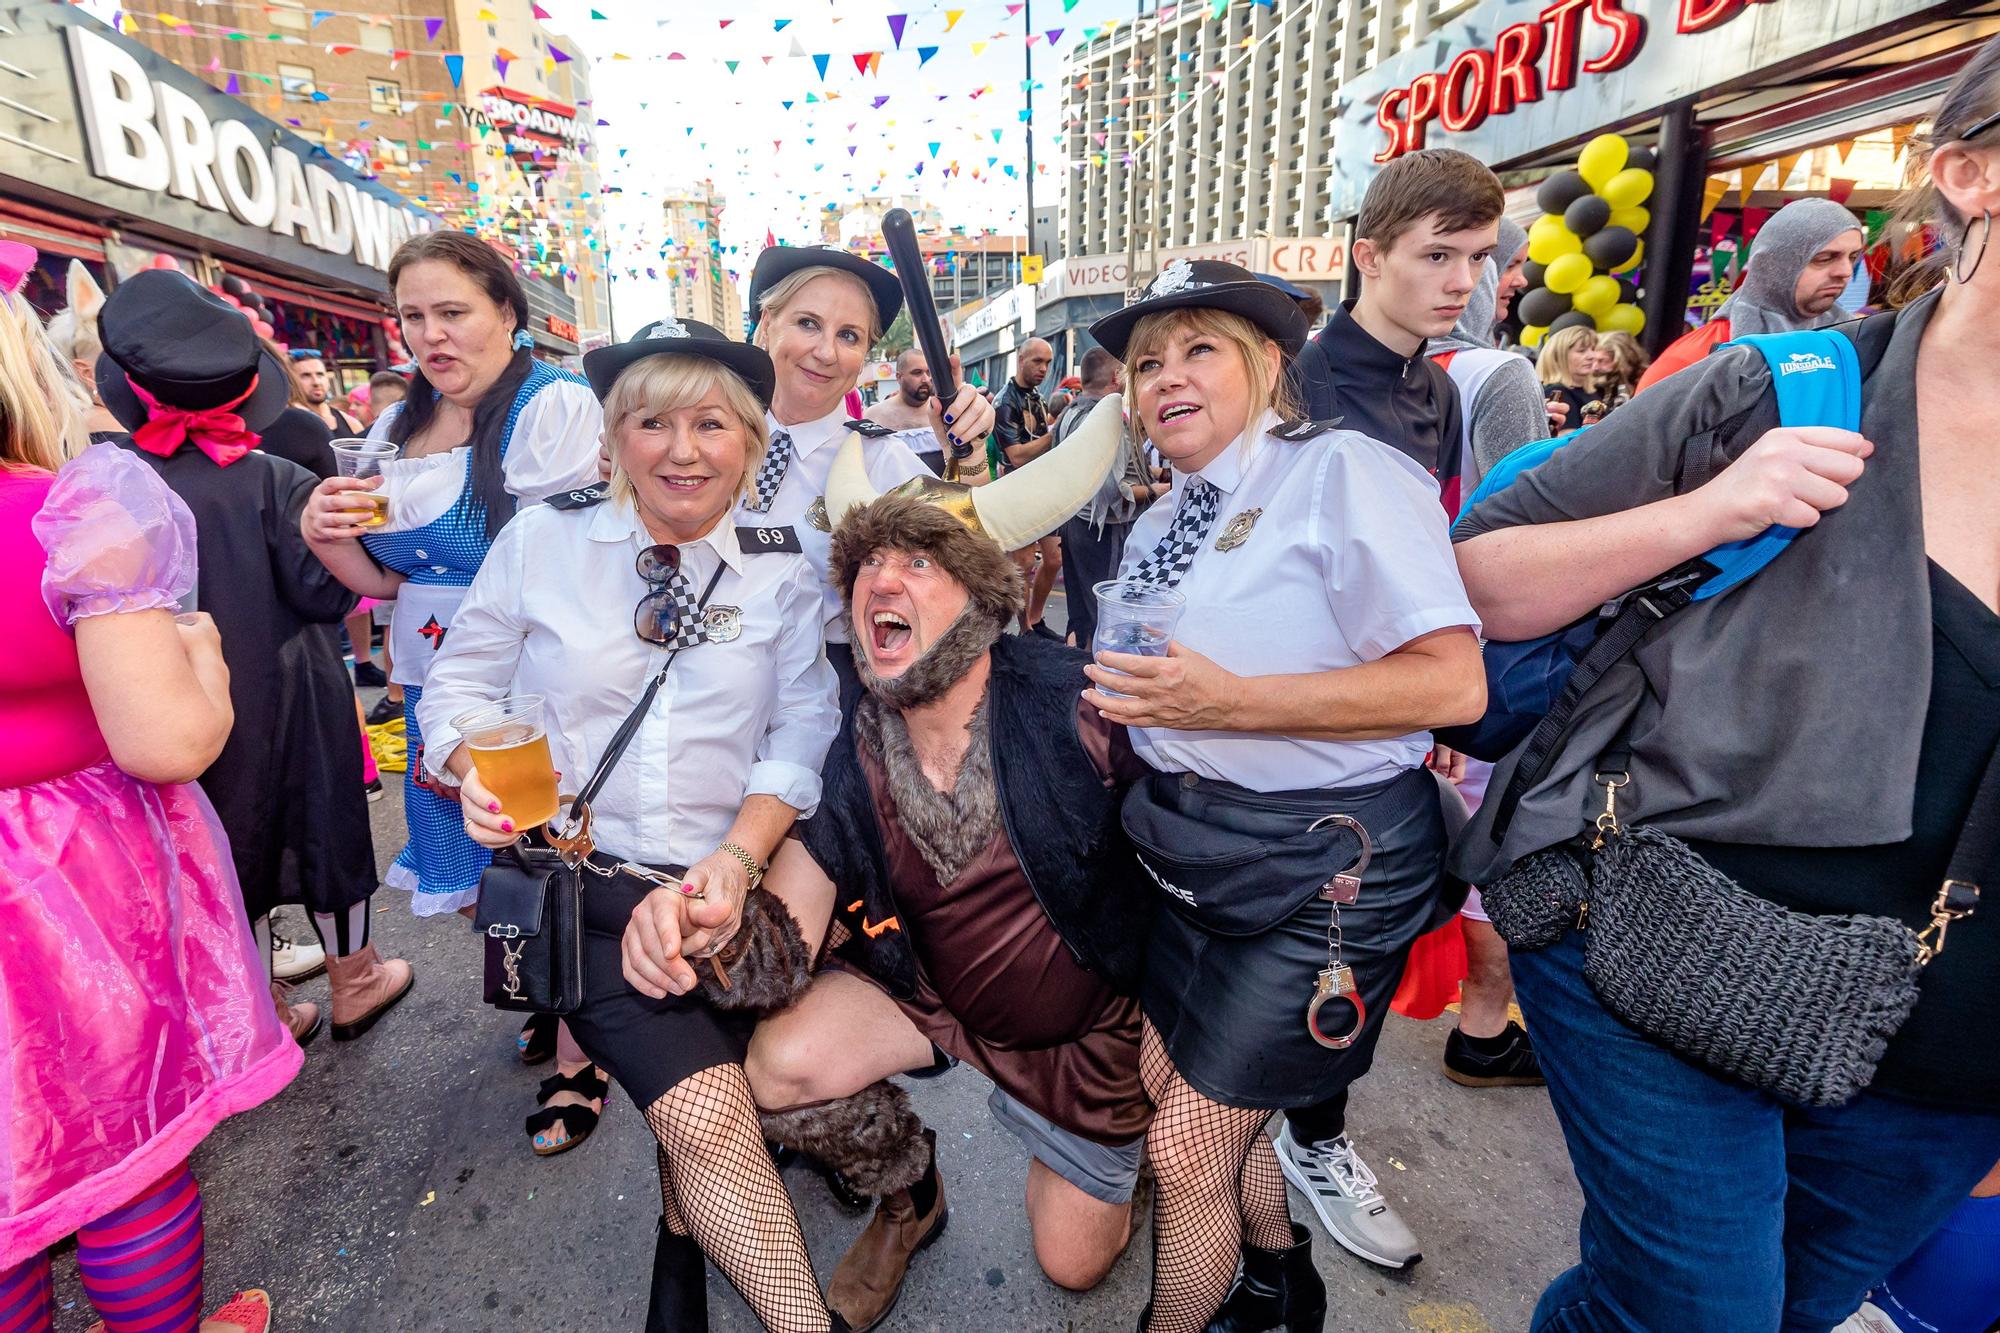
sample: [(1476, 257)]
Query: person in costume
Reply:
[(719, 681), (1323, 630), (966, 860), (485, 427), (133, 1012), (185, 374)]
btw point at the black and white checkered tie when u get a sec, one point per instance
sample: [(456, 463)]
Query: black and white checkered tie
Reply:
[(1171, 558), (772, 474), (690, 625)]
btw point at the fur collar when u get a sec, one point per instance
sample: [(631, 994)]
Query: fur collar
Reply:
[(948, 828)]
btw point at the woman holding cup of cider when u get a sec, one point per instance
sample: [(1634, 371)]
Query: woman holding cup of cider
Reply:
[(582, 603)]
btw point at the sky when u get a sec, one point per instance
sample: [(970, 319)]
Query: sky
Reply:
[(675, 122)]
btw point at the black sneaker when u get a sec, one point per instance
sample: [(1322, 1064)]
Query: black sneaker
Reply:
[(369, 676), (1041, 627), (384, 710), (374, 789), (1505, 1061)]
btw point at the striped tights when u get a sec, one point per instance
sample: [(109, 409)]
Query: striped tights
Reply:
[(140, 1265)]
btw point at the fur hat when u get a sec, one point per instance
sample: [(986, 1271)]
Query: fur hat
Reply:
[(908, 523)]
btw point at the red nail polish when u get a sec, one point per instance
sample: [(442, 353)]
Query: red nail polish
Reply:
[(493, 807), (506, 826)]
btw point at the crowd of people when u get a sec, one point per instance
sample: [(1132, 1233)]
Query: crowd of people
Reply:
[(1159, 874)]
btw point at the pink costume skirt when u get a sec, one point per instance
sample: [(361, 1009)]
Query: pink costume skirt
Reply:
[(134, 1013)]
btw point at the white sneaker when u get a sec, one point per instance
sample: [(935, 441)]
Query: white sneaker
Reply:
[(1342, 1191), (296, 960)]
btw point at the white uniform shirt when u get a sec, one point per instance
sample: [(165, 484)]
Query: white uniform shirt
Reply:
[(551, 613), (554, 449), (1348, 561), (814, 446)]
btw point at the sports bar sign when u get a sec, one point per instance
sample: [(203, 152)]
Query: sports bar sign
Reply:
[(1511, 78)]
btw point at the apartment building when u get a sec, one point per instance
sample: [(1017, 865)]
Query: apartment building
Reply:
[(703, 289)]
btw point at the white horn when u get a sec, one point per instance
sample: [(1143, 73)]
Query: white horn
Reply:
[(1039, 497), (847, 485)]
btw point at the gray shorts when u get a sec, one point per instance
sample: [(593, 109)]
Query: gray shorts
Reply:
[(1104, 1173)]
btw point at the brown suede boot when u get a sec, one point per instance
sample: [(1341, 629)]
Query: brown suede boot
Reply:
[(303, 1021), (364, 988), (869, 1277)]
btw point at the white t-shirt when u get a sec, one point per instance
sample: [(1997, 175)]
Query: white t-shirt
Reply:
[(554, 449), (1347, 560)]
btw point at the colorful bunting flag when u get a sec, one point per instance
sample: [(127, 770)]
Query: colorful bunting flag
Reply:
[(1055, 35), (951, 18), (896, 22), (820, 62), (924, 54), (453, 65)]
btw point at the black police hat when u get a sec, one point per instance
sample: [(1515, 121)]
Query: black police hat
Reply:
[(1209, 284), (777, 262), (681, 337), (185, 346)]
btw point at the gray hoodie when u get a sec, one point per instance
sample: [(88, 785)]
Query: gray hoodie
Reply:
[(1507, 411), (1767, 302)]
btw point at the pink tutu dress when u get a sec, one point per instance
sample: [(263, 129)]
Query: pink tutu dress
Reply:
[(134, 1013)]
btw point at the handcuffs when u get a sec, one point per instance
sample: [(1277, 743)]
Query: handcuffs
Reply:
[(1336, 979), (574, 845)]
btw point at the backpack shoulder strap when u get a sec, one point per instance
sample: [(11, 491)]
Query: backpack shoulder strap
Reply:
[(1816, 374)]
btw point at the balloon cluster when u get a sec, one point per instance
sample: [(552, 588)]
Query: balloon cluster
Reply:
[(1586, 241), (392, 332), (239, 294)]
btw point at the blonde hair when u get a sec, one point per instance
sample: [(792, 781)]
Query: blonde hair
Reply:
[(656, 385), (1257, 349), (772, 301), (41, 403), (1552, 366)]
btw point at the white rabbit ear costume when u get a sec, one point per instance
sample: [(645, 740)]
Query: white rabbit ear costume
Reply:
[(73, 330)]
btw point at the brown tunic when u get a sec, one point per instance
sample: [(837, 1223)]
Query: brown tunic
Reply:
[(999, 989)]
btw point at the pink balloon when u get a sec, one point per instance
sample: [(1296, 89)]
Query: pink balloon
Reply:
[(165, 261), (232, 300), (263, 330)]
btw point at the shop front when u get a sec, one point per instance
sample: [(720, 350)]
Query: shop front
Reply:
[(1746, 104), (114, 156)]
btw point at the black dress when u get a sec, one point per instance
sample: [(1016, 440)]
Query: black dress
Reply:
[(288, 782)]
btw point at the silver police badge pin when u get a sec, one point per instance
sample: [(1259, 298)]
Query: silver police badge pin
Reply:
[(816, 514), (1237, 530), (720, 624)]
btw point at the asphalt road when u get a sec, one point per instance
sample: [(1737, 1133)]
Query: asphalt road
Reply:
[(391, 1188)]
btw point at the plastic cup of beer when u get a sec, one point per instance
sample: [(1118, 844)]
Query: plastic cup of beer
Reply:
[(364, 459), (1135, 617), (510, 752)]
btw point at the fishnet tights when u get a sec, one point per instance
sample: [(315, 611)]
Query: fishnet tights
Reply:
[(718, 1184), (1210, 1175)]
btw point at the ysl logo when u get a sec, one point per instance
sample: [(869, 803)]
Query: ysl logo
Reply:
[(510, 959)]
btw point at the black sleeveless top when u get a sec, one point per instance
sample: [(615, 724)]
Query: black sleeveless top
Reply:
[(1948, 1052)]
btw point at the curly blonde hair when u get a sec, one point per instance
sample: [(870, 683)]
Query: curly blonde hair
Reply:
[(41, 404)]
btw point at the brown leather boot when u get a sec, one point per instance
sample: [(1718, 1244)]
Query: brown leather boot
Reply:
[(869, 1277), (364, 988), (303, 1021)]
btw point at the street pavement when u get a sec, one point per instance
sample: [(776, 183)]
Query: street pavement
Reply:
[(391, 1188)]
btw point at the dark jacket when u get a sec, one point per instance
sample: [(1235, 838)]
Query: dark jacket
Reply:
[(1060, 814)]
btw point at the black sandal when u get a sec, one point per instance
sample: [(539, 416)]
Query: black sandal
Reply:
[(578, 1122), (538, 1039)]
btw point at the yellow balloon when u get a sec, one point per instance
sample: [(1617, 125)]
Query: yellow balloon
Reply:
[(1602, 158), (1628, 189), (1622, 319), (1553, 244), (1634, 219), (1532, 334), (1597, 295), (1567, 273), (1638, 258)]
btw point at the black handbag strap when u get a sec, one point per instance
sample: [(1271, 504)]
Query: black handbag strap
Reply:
[(630, 726), (1976, 855)]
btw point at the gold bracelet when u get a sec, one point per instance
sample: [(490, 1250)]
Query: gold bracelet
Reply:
[(749, 862)]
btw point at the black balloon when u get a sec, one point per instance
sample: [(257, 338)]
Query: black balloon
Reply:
[(1536, 274), (1587, 216), (1628, 290), (1611, 247), (1561, 190), (1575, 319), (1539, 305), (1643, 158)]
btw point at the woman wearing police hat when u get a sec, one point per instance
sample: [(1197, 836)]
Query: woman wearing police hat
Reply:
[(683, 656), (184, 373), (1290, 821)]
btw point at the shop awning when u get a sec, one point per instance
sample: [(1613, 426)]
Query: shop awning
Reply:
[(52, 233), (292, 293)]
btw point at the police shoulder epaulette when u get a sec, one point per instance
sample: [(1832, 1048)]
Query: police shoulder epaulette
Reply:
[(753, 540), (1297, 431), (582, 499), (874, 430)]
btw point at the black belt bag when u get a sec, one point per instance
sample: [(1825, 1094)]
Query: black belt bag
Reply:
[(1237, 862)]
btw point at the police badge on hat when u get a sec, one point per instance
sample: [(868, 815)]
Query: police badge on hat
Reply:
[(721, 624)]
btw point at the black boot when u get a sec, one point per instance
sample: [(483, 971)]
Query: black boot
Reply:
[(680, 1285), (1277, 1289)]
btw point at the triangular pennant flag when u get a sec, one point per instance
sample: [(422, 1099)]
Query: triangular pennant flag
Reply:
[(558, 55), (820, 62), (1898, 136), (896, 22), (861, 61), (933, 148), (1712, 191), (732, 65), (951, 18), (1785, 165), (539, 12), (924, 54), (979, 48), (454, 66), (599, 17), (1840, 189), (1034, 37), (233, 88), (1843, 148), (724, 22), (1069, 5), (880, 100), (779, 25), (1055, 35), (487, 16), (875, 62), (320, 16), (1012, 10), (997, 134), (1747, 184)]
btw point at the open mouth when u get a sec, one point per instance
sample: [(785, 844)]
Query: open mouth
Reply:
[(684, 485), (1176, 411), (889, 631)]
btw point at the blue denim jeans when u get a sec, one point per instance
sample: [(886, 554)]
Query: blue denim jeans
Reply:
[(1709, 1205)]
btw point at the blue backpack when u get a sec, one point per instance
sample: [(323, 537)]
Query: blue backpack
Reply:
[(1534, 686)]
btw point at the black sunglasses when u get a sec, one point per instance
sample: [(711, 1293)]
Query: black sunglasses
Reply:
[(657, 617)]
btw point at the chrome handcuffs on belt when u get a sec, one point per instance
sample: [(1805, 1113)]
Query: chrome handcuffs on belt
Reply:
[(1336, 979)]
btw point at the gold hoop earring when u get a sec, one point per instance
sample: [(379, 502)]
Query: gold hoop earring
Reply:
[(1958, 269)]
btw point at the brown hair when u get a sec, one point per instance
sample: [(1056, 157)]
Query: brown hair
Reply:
[(490, 270), (1973, 96), (1256, 347), (1628, 359), (1456, 188)]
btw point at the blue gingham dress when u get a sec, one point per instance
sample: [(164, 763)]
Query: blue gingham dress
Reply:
[(440, 866)]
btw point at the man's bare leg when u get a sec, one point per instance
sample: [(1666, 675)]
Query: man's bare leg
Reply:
[(1077, 1238), (1045, 578)]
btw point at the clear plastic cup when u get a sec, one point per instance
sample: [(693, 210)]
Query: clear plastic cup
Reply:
[(510, 752), (364, 459), (1134, 617)]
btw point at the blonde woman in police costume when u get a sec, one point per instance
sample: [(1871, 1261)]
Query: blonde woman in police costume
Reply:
[(1325, 630)]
